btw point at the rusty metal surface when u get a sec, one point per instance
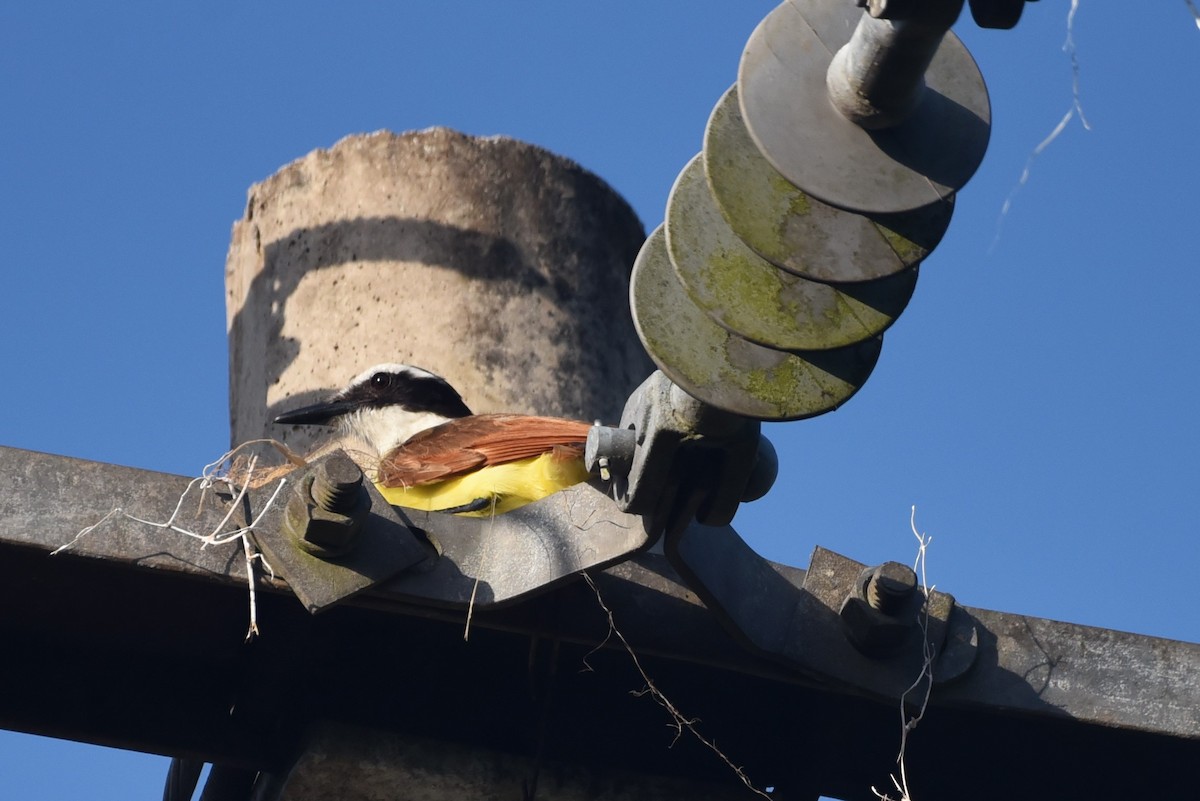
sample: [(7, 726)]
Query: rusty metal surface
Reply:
[(756, 300), (1106, 677), (728, 371), (786, 105), (798, 232)]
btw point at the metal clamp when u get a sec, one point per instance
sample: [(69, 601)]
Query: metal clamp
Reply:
[(674, 457), (840, 622)]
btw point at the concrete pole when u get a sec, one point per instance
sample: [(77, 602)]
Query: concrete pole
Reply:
[(498, 265), (494, 263), (387, 767)]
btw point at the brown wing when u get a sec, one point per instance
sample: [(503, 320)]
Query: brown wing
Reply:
[(469, 443)]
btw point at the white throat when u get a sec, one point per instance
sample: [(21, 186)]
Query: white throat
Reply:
[(386, 427)]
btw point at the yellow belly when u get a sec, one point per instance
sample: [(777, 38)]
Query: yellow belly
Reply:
[(505, 486)]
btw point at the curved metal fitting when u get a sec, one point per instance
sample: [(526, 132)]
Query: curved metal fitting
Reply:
[(763, 473), (997, 14), (674, 457), (894, 9)]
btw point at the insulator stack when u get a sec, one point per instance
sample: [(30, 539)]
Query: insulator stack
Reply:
[(828, 173)]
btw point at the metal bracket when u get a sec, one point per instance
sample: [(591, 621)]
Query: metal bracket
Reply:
[(823, 626), (381, 544), (489, 562), (436, 558), (674, 457)]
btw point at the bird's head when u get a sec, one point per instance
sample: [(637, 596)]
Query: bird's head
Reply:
[(385, 406)]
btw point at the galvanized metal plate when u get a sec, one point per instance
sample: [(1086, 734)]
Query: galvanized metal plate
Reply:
[(489, 562), (727, 371), (756, 300), (928, 157), (799, 233)]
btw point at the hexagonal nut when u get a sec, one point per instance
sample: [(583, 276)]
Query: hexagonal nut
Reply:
[(320, 532), (873, 633)]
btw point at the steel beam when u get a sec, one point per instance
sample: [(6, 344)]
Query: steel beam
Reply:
[(135, 637)]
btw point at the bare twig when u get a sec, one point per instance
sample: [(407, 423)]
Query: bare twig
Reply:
[(1195, 12), (218, 472), (679, 722), (925, 679), (1076, 108), (484, 558)]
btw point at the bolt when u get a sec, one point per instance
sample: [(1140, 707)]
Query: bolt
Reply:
[(889, 586), (336, 484), (869, 613), (328, 508), (609, 450)]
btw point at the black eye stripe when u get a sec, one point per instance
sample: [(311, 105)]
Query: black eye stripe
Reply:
[(414, 391)]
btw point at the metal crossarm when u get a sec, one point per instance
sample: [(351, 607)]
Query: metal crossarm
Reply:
[(135, 637)]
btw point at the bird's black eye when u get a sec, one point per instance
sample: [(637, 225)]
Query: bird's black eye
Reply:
[(381, 380)]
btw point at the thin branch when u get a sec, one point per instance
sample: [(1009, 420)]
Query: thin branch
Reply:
[(678, 721), (217, 472), (929, 654), (484, 558), (1075, 109), (1195, 12)]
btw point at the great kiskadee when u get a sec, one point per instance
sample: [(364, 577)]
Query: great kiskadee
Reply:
[(433, 454)]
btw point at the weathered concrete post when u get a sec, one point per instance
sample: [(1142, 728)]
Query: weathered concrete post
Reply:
[(500, 266), (494, 263)]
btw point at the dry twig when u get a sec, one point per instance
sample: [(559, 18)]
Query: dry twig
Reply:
[(1076, 108), (237, 473), (678, 721), (925, 679), (1195, 12)]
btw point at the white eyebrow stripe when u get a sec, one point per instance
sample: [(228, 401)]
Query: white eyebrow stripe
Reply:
[(392, 367)]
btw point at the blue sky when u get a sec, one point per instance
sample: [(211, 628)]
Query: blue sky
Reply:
[(1035, 402)]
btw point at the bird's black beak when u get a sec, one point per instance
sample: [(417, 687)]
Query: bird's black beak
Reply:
[(319, 414)]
